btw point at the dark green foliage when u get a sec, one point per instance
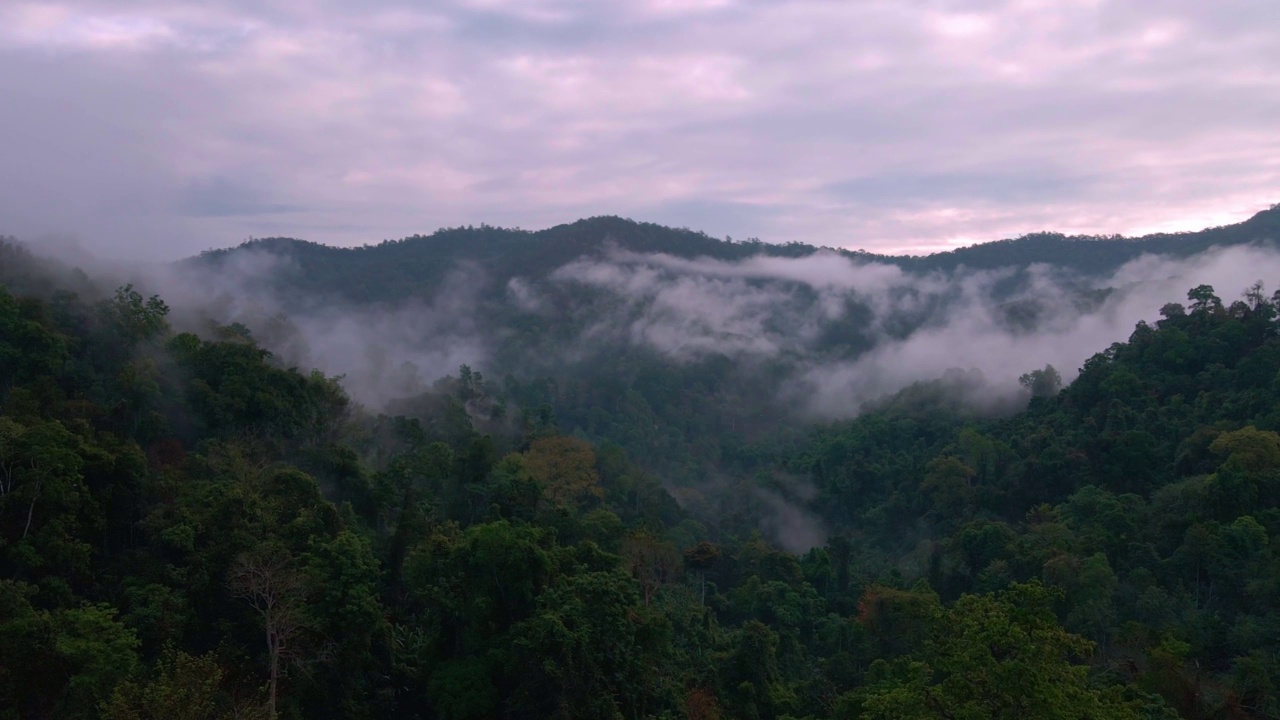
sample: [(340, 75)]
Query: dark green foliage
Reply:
[(416, 265), (189, 529)]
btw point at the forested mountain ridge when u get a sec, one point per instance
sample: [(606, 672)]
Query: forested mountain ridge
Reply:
[(414, 265), (190, 528), (678, 346), (1093, 255)]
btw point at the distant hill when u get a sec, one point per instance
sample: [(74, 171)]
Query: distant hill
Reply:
[(685, 335), (414, 266), (601, 541), (1094, 255)]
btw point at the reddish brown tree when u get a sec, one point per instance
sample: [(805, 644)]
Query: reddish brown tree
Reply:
[(565, 469), (651, 560)]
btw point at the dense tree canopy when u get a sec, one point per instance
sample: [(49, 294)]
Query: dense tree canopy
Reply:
[(190, 529)]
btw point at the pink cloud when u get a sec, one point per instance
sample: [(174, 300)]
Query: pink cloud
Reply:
[(950, 126)]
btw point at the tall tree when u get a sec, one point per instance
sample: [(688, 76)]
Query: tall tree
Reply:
[(271, 583)]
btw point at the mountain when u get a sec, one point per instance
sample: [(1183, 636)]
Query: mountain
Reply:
[(190, 528), (678, 346), (1099, 255), (414, 266)]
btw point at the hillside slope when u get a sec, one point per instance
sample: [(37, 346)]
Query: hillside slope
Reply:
[(173, 507), (416, 265)]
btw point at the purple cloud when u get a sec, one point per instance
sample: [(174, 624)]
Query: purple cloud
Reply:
[(862, 124)]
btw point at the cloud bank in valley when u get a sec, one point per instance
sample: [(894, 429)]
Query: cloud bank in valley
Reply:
[(850, 332), (915, 327), (842, 331), (837, 333), (383, 352)]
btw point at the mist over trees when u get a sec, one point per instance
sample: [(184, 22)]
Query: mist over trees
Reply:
[(643, 473)]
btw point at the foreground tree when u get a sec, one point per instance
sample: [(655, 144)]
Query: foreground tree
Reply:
[(185, 688), (1000, 656), (271, 584)]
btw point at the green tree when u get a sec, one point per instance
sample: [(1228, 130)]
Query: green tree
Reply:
[(43, 498), (184, 688), (1042, 383), (99, 653), (993, 657), (136, 319)]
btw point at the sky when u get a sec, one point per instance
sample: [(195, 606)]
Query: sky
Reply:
[(156, 129)]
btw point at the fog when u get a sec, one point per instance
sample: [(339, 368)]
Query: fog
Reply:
[(778, 307), (839, 333), (382, 352), (848, 331)]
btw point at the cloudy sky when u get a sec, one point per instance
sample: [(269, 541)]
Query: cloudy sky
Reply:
[(160, 128)]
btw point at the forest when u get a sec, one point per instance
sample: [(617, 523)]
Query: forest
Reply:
[(195, 525)]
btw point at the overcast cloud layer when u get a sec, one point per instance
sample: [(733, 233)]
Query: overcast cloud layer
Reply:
[(142, 127)]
